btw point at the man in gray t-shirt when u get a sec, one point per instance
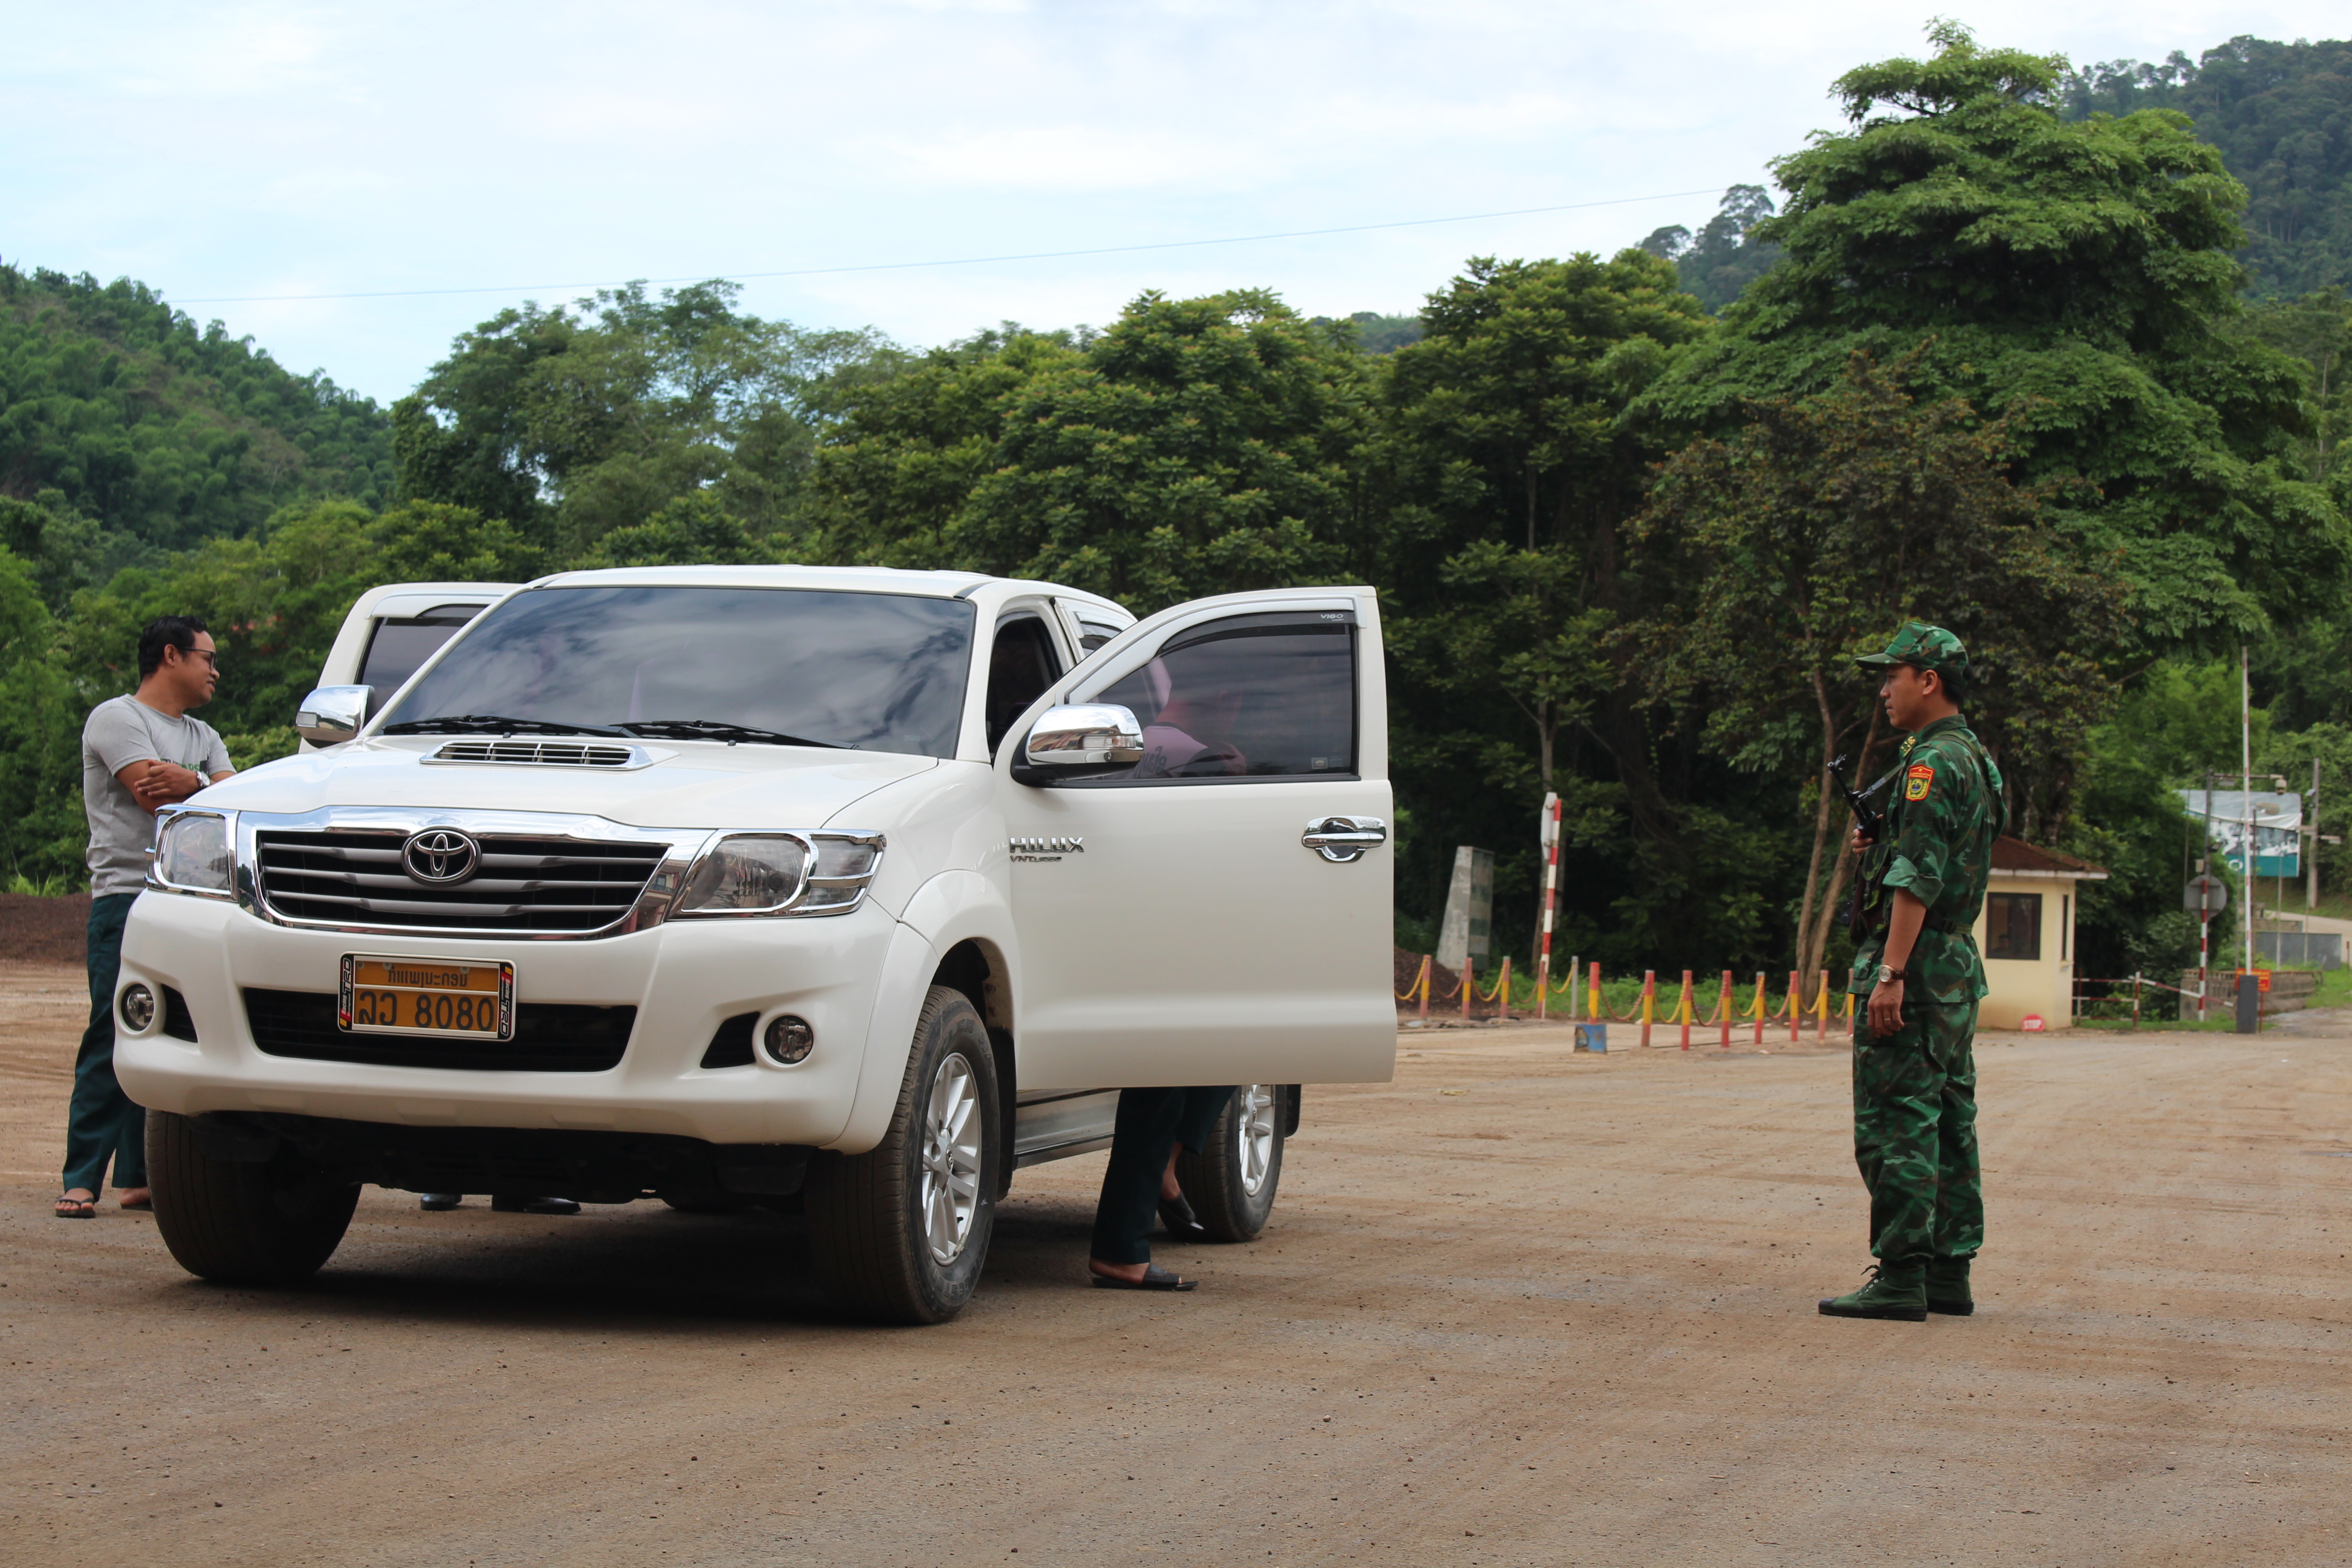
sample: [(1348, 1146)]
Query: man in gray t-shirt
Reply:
[(137, 752)]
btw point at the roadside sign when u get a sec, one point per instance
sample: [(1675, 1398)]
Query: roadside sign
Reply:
[(2205, 896)]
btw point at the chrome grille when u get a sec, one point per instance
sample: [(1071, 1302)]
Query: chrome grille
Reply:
[(354, 878), (538, 754)]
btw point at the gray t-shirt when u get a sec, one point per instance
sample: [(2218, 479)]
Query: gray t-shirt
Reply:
[(123, 731)]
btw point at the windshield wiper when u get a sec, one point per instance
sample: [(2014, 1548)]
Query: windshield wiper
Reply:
[(716, 730), (491, 724)]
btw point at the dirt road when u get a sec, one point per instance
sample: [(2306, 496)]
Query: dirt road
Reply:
[(1518, 1307)]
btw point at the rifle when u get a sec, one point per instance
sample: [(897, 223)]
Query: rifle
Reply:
[(1866, 816), (1863, 905)]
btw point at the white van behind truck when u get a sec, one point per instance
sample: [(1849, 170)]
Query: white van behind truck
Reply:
[(845, 891)]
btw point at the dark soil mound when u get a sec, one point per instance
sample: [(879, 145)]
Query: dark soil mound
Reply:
[(44, 930)]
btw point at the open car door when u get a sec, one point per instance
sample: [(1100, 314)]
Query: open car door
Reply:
[(1218, 911)]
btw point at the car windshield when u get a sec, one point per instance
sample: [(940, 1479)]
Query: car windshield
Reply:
[(883, 672)]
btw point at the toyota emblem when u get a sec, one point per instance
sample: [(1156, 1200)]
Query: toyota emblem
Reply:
[(440, 856)]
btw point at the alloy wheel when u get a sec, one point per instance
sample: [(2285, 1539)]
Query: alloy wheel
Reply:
[(951, 1178)]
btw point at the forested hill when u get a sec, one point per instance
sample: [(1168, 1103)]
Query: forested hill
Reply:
[(2282, 116), (122, 419)]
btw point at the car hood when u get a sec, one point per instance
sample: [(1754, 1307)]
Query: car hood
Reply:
[(685, 785)]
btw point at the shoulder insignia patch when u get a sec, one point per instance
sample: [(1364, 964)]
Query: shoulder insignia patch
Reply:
[(1916, 780)]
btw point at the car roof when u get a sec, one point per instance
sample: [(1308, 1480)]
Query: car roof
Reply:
[(939, 585)]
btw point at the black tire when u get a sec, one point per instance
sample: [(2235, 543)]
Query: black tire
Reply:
[(243, 1222), (866, 1213), (1217, 1180)]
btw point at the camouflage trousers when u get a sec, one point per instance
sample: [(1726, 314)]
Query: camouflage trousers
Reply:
[(1915, 1132)]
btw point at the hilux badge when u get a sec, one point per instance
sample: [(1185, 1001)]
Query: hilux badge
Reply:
[(440, 856), (1045, 848)]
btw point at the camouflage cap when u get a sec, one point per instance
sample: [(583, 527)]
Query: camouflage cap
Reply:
[(1922, 647)]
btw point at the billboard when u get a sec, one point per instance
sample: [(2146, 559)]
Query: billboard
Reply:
[(2278, 828)]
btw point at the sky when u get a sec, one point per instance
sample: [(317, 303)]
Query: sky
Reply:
[(353, 187)]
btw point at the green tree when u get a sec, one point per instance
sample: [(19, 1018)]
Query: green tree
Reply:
[(2281, 117), (1817, 530), (1196, 447), (2318, 329), (1508, 465), (894, 472), (1717, 264), (2073, 275), (567, 423), (161, 432), (41, 834)]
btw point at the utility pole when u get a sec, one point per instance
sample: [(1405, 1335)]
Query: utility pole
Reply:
[(2204, 914), (2311, 832), (2246, 798)]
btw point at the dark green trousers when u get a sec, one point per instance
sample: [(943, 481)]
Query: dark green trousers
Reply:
[(103, 1124), (1915, 1131), (1151, 1122)]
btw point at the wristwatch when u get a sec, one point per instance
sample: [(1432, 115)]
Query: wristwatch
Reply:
[(1886, 974)]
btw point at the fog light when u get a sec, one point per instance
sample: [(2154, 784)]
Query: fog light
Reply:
[(788, 1040), (138, 1008)]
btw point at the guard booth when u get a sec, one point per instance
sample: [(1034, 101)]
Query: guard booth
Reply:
[(2027, 935)]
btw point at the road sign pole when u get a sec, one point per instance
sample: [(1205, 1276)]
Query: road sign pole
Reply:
[(2204, 925)]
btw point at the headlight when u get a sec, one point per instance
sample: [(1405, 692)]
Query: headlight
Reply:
[(192, 853), (137, 1007), (783, 874), (844, 865), (747, 874)]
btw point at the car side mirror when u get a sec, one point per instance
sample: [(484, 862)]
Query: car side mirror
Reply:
[(1081, 739), (333, 714)]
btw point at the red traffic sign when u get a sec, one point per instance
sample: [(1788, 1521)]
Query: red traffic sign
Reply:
[(2205, 896)]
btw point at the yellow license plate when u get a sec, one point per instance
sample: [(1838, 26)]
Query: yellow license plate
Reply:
[(462, 997)]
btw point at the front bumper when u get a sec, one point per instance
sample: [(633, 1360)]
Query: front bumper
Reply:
[(685, 978)]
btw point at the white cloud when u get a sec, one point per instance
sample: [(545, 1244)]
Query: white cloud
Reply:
[(261, 148)]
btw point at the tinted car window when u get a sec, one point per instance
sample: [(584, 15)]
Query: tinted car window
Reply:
[(1020, 666), (1248, 696), (881, 671), (399, 647)]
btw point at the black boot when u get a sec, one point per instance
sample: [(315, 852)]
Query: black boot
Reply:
[(1897, 1290), (1947, 1286)]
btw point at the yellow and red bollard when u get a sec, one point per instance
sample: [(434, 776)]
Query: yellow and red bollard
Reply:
[(1649, 1002)]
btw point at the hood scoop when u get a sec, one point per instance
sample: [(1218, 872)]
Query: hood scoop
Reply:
[(545, 754)]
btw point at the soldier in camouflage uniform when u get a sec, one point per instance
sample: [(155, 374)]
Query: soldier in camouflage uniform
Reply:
[(1914, 1076)]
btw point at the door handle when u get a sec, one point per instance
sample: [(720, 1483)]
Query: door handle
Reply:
[(1341, 840)]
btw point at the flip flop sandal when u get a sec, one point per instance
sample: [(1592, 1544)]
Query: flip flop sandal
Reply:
[(135, 1204), (1154, 1279), (75, 1208)]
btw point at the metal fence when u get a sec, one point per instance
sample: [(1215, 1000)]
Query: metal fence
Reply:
[(2299, 949)]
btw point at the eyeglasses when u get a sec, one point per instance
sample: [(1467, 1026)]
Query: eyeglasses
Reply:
[(209, 656)]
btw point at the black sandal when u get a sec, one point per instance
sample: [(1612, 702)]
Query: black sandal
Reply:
[(1154, 1279), (1181, 1223), (75, 1208)]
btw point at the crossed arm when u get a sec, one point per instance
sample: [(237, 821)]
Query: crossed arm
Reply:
[(154, 784)]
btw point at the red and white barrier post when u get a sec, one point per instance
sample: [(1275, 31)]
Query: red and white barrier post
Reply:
[(1550, 837)]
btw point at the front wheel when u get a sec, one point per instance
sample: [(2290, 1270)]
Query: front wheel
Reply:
[(898, 1234), (1231, 1183), (243, 1222)]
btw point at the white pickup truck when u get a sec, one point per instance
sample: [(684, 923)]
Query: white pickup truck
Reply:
[(837, 890)]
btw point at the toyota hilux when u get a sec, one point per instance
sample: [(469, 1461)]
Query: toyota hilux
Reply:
[(842, 892)]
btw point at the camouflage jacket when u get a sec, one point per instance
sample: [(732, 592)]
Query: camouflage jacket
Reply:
[(1938, 842)]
